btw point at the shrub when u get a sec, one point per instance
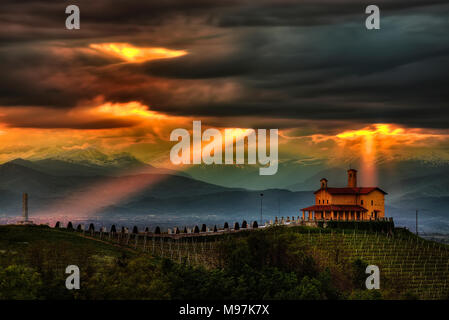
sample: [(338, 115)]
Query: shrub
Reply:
[(358, 273), (19, 282)]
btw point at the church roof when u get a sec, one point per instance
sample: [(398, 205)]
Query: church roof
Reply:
[(349, 190), (335, 207)]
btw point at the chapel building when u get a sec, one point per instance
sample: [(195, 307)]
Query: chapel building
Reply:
[(348, 203)]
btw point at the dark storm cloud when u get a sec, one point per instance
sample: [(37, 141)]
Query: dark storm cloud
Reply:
[(310, 60), (314, 12), (67, 123), (42, 76), (32, 20), (45, 19), (334, 72), (202, 67)]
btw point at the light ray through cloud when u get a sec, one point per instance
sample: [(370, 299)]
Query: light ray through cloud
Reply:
[(87, 201), (130, 53), (372, 142)]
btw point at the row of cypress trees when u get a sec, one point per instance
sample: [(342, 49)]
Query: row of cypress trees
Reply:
[(157, 230)]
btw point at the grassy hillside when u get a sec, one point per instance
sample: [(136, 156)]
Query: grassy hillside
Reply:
[(33, 260), (17, 238), (31, 244), (407, 264), (276, 263)]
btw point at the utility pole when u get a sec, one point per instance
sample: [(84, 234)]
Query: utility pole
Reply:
[(261, 216), (416, 222)]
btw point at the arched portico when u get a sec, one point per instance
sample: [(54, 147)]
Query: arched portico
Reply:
[(334, 212)]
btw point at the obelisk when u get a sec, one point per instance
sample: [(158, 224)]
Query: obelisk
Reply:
[(25, 207), (25, 210)]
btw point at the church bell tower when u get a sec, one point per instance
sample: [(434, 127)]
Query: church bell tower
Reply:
[(352, 178)]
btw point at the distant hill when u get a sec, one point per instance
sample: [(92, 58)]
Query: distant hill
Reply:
[(27, 176), (161, 194), (336, 176), (17, 178), (220, 206), (248, 177), (61, 168)]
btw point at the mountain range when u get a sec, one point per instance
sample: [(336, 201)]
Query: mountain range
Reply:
[(57, 186), (91, 162), (122, 186)]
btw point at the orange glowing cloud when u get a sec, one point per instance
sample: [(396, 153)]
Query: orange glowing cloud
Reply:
[(112, 127), (129, 109), (97, 114), (381, 141), (130, 53), (388, 135), (379, 129), (365, 147)]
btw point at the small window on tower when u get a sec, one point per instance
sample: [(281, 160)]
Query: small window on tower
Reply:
[(319, 201), (327, 201), (361, 201), (372, 202)]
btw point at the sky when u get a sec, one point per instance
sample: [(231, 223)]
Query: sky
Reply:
[(138, 69)]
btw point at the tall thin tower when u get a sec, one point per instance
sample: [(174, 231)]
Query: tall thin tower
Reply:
[(25, 210), (25, 207)]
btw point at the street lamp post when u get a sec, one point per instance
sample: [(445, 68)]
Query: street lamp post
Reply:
[(416, 222), (261, 217)]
